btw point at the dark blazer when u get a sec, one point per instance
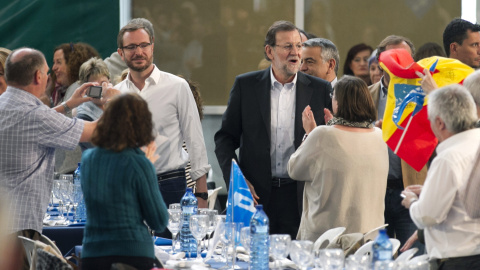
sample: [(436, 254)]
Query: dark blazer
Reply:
[(246, 125)]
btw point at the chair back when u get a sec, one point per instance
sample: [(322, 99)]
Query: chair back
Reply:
[(405, 256), (212, 197), (395, 245), (366, 249), (371, 235), (49, 242), (328, 237), (29, 246), (420, 258)]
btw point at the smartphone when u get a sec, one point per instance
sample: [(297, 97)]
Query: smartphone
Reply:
[(94, 91)]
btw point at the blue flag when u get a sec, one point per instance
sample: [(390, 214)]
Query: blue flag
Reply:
[(240, 206)]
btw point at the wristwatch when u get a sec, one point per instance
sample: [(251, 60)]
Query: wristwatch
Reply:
[(203, 195), (65, 107)]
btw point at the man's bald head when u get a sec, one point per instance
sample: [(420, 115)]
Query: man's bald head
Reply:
[(21, 66)]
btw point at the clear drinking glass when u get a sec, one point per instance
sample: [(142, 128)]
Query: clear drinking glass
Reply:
[(175, 206), (355, 262), (245, 238), (301, 253), (198, 227), (331, 259), (279, 247), (66, 192), (174, 224), (57, 193), (228, 239)]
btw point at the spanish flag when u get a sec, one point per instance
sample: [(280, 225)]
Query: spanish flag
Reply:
[(406, 128)]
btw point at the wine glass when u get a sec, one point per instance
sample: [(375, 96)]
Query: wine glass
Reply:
[(279, 247), (66, 192), (301, 253), (331, 259), (198, 227), (174, 224), (57, 193), (212, 222)]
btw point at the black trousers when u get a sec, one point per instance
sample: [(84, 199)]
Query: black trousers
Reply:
[(101, 263), (282, 210)]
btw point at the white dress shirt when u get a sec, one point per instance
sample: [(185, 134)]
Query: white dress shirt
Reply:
[(282, 125), (176, 119), (449, 232)]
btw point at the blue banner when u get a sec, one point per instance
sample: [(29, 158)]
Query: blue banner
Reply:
[(240, 206)]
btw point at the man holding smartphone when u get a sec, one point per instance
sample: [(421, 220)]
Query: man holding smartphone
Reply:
[(174, 112)]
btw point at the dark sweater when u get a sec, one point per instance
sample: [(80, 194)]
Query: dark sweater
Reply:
[(120, 191)]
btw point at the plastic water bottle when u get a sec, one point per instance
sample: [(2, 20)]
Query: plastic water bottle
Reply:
[(189, 205), (259, 245), (80, 211), (382, 247)]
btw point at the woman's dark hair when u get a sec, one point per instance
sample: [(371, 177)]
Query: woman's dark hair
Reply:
[(126, 123), (351, 55), (355, 103), (75, 55)]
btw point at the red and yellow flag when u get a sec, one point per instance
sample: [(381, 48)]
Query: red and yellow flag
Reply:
[(406, 128)]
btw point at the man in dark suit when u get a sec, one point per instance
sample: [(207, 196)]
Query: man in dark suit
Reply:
[(264, 120)]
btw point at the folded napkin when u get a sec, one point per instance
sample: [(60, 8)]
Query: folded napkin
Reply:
[(163, 256), (282, 263), (192, 264)]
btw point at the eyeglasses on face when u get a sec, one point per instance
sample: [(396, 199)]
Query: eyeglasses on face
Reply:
[(289, 47), (133, 47)]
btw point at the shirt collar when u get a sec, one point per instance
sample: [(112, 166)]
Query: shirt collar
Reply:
[(333, 82), (456, 138), (25, 95), (288, 85), (154, 77)]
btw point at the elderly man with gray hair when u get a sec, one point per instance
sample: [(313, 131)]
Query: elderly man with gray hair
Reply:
[(451, 236), (320, 58)]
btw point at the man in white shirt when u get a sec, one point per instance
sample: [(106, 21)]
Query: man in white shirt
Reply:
[(320, 58), (174, 114), (452, 238)]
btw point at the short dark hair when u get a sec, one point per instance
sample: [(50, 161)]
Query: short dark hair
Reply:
[(456, 31), (429, 49), (308, 35), (329, 50), (133, 25), (126, 123), (355, 103), (278, 26), (22, 70), (351, 55), (393, 40)]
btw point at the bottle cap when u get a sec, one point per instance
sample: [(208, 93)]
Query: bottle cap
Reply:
[(259, 207)]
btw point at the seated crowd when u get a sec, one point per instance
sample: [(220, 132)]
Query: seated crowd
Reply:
[(308, 142)]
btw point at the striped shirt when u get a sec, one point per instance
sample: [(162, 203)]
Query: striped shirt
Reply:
[(29, 134)]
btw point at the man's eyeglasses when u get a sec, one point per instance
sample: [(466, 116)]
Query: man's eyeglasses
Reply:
[(133, 47), (289, 47)]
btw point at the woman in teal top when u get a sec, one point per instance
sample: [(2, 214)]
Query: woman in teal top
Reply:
[(120, 189)]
